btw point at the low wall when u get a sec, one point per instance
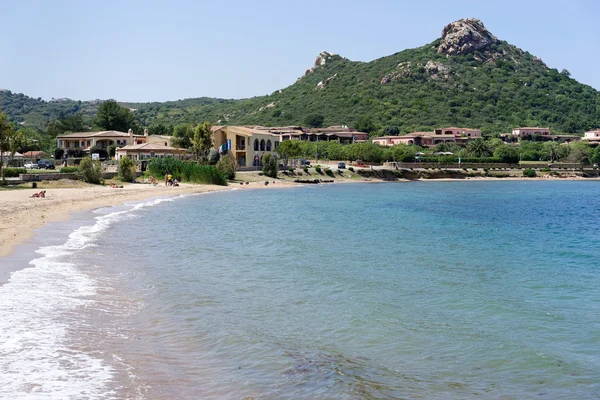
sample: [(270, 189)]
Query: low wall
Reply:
[(55, 176)]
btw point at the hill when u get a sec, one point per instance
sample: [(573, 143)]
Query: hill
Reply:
[(467, 77)]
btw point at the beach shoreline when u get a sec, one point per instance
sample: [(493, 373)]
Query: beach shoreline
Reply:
[(21, 215)]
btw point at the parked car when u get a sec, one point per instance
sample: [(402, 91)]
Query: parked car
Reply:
[(30, 165), (304, 161), (359, 163), (45, 164), (341, 165)]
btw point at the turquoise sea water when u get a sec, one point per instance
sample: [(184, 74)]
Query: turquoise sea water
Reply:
[(356, 291)]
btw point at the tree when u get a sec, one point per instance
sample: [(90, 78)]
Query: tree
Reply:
[(507, 153), (202, 141), (365, 124), (102, 152), (183, 136), (7, 139), (270, 167), (478, 148), (227, 167), (126, 169), (112, 117), (314, 120), (288, 149), (565, 72), (90, 170), (391, 130), (74, 123), (555, 151), (579, 154)]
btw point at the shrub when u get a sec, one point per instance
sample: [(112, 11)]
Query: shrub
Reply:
[(329, 172), (126, 169), (305, 169), (13, 172), (227, 167), (529, 173), (68, 170), (546, 169), (101, 151), (186, 171), (270, 167), (91, 171), (58, 153), (351, 169), (291, 169), (318, 169)]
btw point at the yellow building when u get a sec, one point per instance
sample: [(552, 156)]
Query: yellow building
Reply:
[(248, 144)]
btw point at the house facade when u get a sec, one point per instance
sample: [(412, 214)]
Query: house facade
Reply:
[(86, 140), (520, 132), (146, 151), (458, 132), (248, 144)]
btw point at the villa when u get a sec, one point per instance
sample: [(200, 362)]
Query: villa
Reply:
[(86, 140), (459, 136), (340, 134), (521, 132), (592, 136), (149, 150), (246, 144)]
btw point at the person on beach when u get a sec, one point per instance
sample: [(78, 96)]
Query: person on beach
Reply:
[(170, 180), (167, 179), (40, 194)]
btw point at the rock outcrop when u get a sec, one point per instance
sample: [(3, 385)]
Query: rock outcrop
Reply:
[(435, 70), (465, 36), (322, 84)]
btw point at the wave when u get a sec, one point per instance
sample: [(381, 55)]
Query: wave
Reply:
[(41, 306)]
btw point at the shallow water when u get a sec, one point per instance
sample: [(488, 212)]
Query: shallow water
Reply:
[(419, 290)]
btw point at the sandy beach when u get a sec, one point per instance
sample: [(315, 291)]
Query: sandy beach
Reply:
[(21, 215)]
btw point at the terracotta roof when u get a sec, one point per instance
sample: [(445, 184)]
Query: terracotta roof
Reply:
[(33, 153), (545, 129), (97, 134), (149, 147)]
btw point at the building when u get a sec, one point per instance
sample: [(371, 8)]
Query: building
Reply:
[(35, 155), (247, 144), (14, 160), (452, 135), (144, 151), (86, 140), (459, 132), (340, 134), (592, 135), (521, 132)]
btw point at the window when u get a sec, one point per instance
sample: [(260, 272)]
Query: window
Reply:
[(276, 144), (262, 145), (255, 144), (268, 145)]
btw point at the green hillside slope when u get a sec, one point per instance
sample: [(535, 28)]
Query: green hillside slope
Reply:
[(465, 78)]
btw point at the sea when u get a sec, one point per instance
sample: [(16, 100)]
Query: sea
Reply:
[(420, 290)]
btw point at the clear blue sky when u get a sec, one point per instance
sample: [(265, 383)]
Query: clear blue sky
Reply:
[(135, 50)]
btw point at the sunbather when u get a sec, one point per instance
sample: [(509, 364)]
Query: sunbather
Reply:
[(40, 194)]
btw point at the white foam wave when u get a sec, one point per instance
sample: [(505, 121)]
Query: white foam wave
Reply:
[(38, 309)]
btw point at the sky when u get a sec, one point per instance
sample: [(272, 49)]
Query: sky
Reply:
[(150, 50)]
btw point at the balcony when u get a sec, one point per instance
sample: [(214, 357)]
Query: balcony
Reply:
[(240, 147)]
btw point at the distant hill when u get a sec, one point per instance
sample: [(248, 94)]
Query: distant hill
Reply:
[(467, 77)]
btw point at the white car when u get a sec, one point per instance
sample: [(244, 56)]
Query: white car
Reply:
[(30, 165)]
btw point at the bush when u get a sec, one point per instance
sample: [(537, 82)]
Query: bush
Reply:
[(351, 169), (91, 171), (270, 166), (68, 170), (318, 169), (329, 172), (305, 169), (186, 171), (227, 167), (13, 172), (58, 153), (529, 173), (546, 169), (126, 169), (101, 151)]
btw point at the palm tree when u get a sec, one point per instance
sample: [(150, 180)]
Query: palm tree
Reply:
[(479, 148)]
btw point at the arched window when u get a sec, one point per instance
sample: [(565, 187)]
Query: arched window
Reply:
[(262, 145), (268, 145), (255, 144)]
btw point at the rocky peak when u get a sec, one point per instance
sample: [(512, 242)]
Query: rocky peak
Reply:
[(465, 36), (322, 58)]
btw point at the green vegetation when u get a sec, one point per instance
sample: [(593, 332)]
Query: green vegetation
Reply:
[(186, 171), (113, 117), (69, 170), (13, 172), (227, 167), (126, 171), (202, 141), (270, 167), (91, 171), (529, 173)]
